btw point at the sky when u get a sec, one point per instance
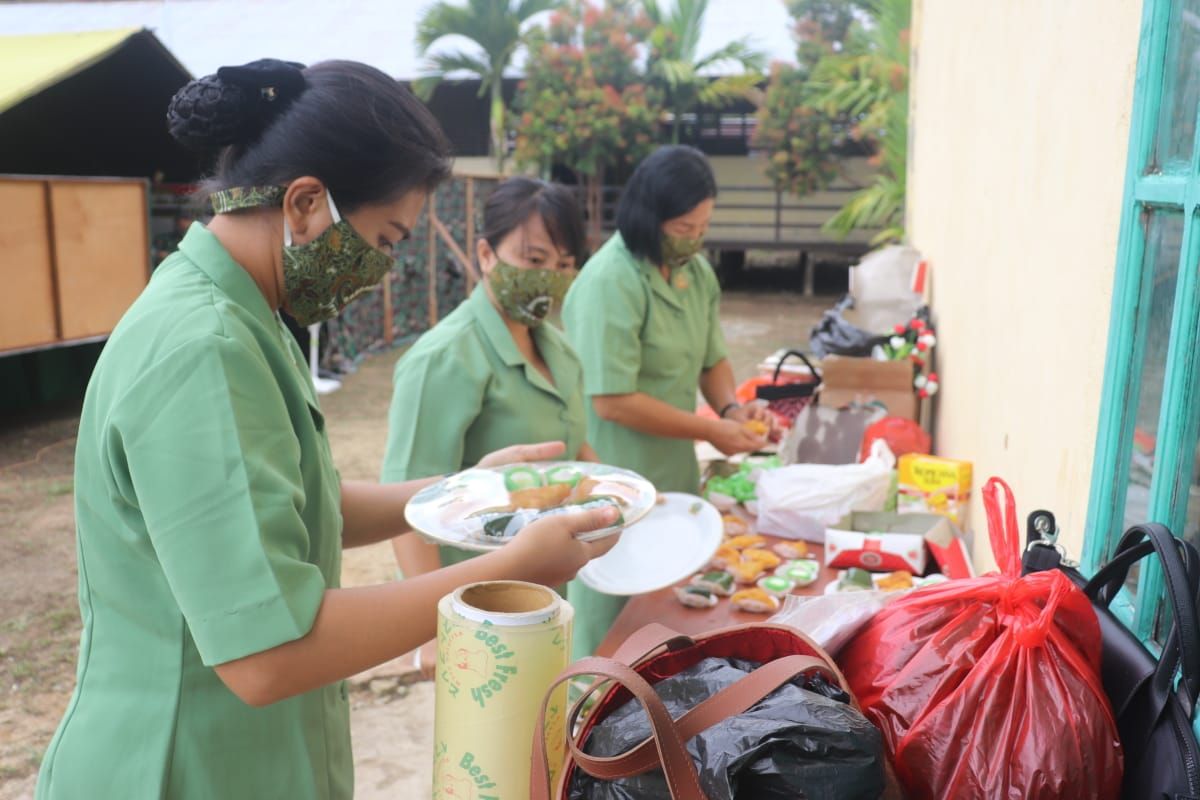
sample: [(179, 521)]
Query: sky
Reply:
[(206, 34)]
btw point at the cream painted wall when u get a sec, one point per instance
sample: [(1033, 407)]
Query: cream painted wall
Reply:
[(1020, 122)]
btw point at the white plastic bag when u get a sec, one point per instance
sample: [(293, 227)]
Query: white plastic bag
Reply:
[(801, 500), (881, 285), (831, 620)]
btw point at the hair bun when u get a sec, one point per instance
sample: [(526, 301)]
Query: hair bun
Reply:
[(235, 105)]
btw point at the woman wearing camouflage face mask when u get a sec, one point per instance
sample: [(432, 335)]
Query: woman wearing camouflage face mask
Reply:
[(494, 372), (643, 317), (210, 517)]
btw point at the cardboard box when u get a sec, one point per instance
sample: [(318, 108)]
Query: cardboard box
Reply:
[(928, 484), (863, 380), (941, 536)]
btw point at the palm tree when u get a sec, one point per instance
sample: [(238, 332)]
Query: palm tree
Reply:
[(495, 27), (869, 84), (676, 66)]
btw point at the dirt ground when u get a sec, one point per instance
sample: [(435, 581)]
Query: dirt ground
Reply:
[(39, 614)]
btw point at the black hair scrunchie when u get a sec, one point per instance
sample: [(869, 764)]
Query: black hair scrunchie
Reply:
[(235, 105)]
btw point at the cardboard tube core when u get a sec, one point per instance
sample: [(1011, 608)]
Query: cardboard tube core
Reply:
[(506, 603)]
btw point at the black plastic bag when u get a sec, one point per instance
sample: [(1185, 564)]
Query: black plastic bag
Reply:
[(834, 335), (803, 741)]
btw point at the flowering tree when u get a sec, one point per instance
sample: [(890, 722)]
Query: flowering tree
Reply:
[(801, 136), (584, 103), (850, 83), (802, 140)]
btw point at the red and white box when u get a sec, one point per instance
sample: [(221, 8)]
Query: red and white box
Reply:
[(883, 541), (875, 552)]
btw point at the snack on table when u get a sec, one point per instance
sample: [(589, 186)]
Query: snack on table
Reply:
[(725, 556), (791, 550), (747, 571), (855, 580), (756, 601), (717, 581), (894, 581), (695, 596), (803, 573), (766, 558), (735, 526), (742, 542), (776, 585)]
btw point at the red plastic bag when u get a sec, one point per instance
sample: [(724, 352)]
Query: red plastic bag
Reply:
[(990, 687), (903, 436)]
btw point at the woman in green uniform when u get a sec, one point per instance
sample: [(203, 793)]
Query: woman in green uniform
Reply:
[(643, 317), (491, 374), (210, 517)]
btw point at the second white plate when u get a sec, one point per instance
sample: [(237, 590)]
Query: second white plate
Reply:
[(676, 539)]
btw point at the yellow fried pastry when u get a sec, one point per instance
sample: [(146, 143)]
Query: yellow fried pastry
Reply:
[(742, 542), (747, 570), (756, 601), (895, 581), (765, 558), (735, 526), (725, 556)]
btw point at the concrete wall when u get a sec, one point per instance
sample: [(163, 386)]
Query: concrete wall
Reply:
[(1020, 125)]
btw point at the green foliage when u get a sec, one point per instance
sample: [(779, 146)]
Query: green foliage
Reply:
[(801, 139), (801, 136), (584, 102), (825, 27), (869, 85), (676, 67), (495, 27)]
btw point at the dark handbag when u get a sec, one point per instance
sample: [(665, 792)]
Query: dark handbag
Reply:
[(1154, 717), (789, 399)]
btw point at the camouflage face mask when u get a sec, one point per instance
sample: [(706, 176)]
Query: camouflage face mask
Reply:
[(320, 277), (528, 295), (678, 250)]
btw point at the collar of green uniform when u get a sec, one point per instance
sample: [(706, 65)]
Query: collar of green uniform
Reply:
[(653, 275), (204, 250), (494, 328), (659, 284)]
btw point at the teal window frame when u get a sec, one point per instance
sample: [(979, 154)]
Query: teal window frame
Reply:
[(1161, 187)]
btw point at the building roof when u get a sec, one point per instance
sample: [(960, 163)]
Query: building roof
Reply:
[(30, 64), (90, 103)]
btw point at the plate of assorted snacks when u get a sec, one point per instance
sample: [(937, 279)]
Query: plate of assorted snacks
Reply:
[(484, 508)]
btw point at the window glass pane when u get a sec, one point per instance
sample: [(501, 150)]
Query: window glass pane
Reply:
[(1181, 87), (1164, 237)]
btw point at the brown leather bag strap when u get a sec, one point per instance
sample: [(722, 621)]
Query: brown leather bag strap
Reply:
[(674, 758), (647, 639), (729, 702)]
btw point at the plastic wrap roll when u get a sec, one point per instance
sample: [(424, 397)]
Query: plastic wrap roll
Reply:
[(500, 646)]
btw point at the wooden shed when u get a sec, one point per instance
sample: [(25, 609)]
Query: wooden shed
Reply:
[(82, 139)]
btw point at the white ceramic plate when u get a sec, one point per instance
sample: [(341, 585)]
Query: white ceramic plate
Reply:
[(675, 540), (448, 512)]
